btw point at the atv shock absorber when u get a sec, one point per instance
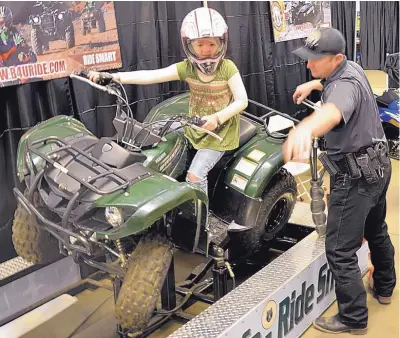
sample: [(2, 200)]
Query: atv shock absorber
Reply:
[(317, 193), (121, 251)]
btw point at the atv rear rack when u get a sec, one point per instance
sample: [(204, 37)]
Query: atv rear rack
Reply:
[(263, 120), (123, 183)]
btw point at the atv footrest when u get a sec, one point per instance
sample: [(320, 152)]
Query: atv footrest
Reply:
[(218, 230)]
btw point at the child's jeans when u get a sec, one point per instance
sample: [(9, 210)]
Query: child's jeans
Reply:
[(203, 162)]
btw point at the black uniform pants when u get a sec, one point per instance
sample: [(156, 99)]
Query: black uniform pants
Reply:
[(356, 210)]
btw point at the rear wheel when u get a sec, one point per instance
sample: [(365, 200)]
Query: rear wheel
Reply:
[(70, 36), (277, 205), (142, 284), (36, 42), (84, 28), (100, 23)]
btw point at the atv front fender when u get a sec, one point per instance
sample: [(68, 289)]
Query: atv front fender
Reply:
[(152, 198)]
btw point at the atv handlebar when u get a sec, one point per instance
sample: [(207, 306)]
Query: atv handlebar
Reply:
[(95, 85), (196, 123), (193, 122)]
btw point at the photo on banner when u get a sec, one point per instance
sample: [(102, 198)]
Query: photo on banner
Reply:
[(43, 40), (296, 19)]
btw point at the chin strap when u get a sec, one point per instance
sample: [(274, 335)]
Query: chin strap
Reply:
[(317, 193)]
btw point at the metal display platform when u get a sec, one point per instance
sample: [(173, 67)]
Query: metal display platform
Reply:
[(302, 215), (23, 284), (13, 266), (280, 300)]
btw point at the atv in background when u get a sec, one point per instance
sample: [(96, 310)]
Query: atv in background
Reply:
[(92, 17), (389, 105), (301, 12), (50, 24)]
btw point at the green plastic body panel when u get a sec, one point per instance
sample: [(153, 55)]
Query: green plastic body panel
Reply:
[(168, 157), (152, 198), (262, 170), (177, 105), (61, 126)]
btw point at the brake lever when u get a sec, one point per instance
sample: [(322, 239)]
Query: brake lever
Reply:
[(219, 138), (95, 85)]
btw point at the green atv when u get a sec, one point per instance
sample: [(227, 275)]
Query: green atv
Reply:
[(126, 197)]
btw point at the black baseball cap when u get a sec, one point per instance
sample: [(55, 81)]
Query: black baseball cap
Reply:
[(322, 42)]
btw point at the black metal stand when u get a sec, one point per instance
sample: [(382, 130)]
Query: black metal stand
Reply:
[(220, 274), (117, 288), (168, 292)]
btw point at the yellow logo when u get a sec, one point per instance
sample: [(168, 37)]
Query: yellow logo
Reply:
[(269, 315)]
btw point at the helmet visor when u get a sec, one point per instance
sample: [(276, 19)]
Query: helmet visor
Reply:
[(205, 48)]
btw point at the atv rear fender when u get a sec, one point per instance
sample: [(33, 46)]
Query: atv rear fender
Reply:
[(254, 165), (246, 176)]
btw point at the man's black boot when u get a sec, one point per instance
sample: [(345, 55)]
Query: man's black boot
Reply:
[(334, 325)]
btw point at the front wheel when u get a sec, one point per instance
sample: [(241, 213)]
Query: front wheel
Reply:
[(31, 242), (142, 284)]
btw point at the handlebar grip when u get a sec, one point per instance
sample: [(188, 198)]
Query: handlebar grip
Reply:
[(84, 73), (197, 121)]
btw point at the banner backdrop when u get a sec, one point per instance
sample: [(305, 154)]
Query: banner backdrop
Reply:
[(296, 19), (45, 40)]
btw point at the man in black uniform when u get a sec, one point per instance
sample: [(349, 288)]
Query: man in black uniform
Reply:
[(360, 170)]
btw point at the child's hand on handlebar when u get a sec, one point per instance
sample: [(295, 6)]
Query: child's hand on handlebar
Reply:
[(101, 78), (211, 122)]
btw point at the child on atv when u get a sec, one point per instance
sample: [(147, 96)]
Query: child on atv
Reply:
[(217, 93), (13, 48)]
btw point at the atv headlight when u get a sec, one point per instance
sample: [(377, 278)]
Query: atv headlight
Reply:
[(60, 16), (35, 19), (114, 216)]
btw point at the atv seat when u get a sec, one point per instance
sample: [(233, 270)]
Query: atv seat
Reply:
[(112, 154), (246, 131)]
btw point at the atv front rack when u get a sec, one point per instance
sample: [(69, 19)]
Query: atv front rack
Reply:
[(62, 231), (109, 172)]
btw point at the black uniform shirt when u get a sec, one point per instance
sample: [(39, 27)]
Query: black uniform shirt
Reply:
[(348, 88)]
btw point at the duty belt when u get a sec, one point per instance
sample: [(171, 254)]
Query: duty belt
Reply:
[(368, 162)]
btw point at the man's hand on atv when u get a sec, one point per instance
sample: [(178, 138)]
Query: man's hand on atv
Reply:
[(211, 122), (101, 78), (305, 89), (298, 144)]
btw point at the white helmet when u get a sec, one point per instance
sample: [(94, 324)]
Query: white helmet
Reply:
[(204, 23)]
